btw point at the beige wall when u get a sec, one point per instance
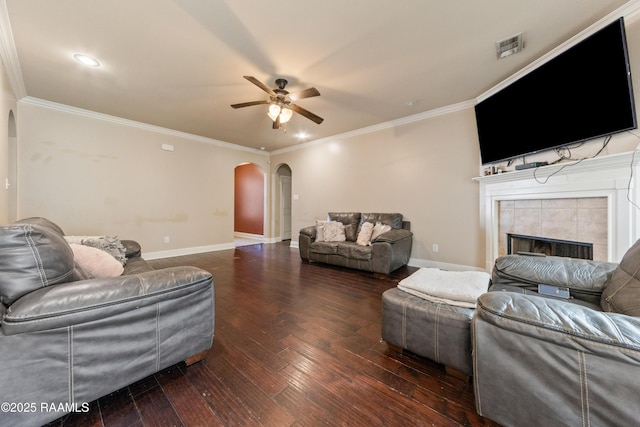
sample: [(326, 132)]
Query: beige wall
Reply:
[(423, 170), (7, 104), (95, 176)]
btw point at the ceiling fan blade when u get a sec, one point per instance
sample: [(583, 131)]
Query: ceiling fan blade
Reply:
[(308, 114), (276, 123), (248, 104), (260, 85), (307, 93)]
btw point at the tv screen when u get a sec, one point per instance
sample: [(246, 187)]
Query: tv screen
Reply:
[(581, 94)]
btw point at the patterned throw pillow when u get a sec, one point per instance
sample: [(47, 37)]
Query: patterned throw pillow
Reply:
[(364, 236), (334, 232)]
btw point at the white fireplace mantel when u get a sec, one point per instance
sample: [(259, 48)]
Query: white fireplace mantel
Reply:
[(616, 177)]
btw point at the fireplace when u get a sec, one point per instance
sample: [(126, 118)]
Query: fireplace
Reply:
[(519, 243), (611, 181)]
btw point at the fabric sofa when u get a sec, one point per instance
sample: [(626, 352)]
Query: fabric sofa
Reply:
[(541, 360), (351, 246), (67, 339)]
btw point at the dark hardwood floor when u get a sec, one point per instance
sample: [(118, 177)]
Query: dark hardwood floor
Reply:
[(295, 345)]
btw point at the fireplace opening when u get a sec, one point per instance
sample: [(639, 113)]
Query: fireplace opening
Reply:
[(519, 243)]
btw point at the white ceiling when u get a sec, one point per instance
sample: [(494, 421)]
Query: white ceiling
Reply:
[(179, 64)]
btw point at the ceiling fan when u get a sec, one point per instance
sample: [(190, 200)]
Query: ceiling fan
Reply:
[(281, 103)]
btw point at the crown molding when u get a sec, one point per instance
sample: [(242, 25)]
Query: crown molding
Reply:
[(9, 54), (29, 100), (381, 126)]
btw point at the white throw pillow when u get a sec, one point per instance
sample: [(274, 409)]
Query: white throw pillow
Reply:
[(378, 229), (320, 230), (364, 236), (334, 232), (97, 263)]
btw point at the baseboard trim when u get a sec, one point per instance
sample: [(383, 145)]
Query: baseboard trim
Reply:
[(188, 251), (425, 263)]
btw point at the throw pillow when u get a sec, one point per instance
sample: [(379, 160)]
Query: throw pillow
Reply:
[(334, 232), (320, 230), (96, 262), (33, 257), (621, 292), (109, 244), (364, 236), (378, 229)]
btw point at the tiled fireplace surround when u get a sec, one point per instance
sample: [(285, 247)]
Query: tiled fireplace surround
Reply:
[(583, 201)]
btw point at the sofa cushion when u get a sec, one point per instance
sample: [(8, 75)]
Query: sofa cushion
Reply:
[(31, 257), (365, 233), (379, 229), (109, 244), (334, 231), (621, 292), (324, 248), (351, 221), (96, 262), (353, 250)]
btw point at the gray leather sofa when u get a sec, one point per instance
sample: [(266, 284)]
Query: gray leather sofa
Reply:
[(66, 339), (386, 253), (551, 361)]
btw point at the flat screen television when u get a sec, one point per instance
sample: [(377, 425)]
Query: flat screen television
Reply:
[(583, 93)]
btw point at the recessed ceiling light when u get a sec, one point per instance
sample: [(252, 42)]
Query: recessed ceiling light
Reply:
[(86, 60)]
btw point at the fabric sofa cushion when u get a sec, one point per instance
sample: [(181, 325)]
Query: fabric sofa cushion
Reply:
[(334, 231), (365, 233), (109, 244), (351, 221), (96, 262), (31, 257), (621, 292), (378, 230)]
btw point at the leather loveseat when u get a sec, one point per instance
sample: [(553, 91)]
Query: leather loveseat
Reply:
[(67, 339), (555, 361), (380, 254)]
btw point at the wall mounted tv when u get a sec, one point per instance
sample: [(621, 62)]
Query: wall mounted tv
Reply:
[(583, 93)]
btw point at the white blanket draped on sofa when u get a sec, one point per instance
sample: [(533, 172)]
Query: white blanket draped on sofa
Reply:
[(459, 288)]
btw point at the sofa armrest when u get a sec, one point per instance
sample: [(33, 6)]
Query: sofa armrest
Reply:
[(309, 232), (88, 300), (393, 235)]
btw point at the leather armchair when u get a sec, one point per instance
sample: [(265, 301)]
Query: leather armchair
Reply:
[(551, 361), (67, 340)]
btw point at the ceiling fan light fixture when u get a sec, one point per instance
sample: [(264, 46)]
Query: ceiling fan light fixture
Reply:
[(285, 114), (274, 111)]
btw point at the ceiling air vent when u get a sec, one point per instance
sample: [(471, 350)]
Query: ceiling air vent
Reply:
[(509, 46)]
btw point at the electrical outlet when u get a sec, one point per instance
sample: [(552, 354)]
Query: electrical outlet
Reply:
[(435, 247), (167, 239)]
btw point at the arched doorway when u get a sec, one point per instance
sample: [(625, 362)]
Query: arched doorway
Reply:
[(11, 183), (249, 204), (283, 200)]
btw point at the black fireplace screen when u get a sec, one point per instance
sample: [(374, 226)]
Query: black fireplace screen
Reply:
[(519, 243)]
